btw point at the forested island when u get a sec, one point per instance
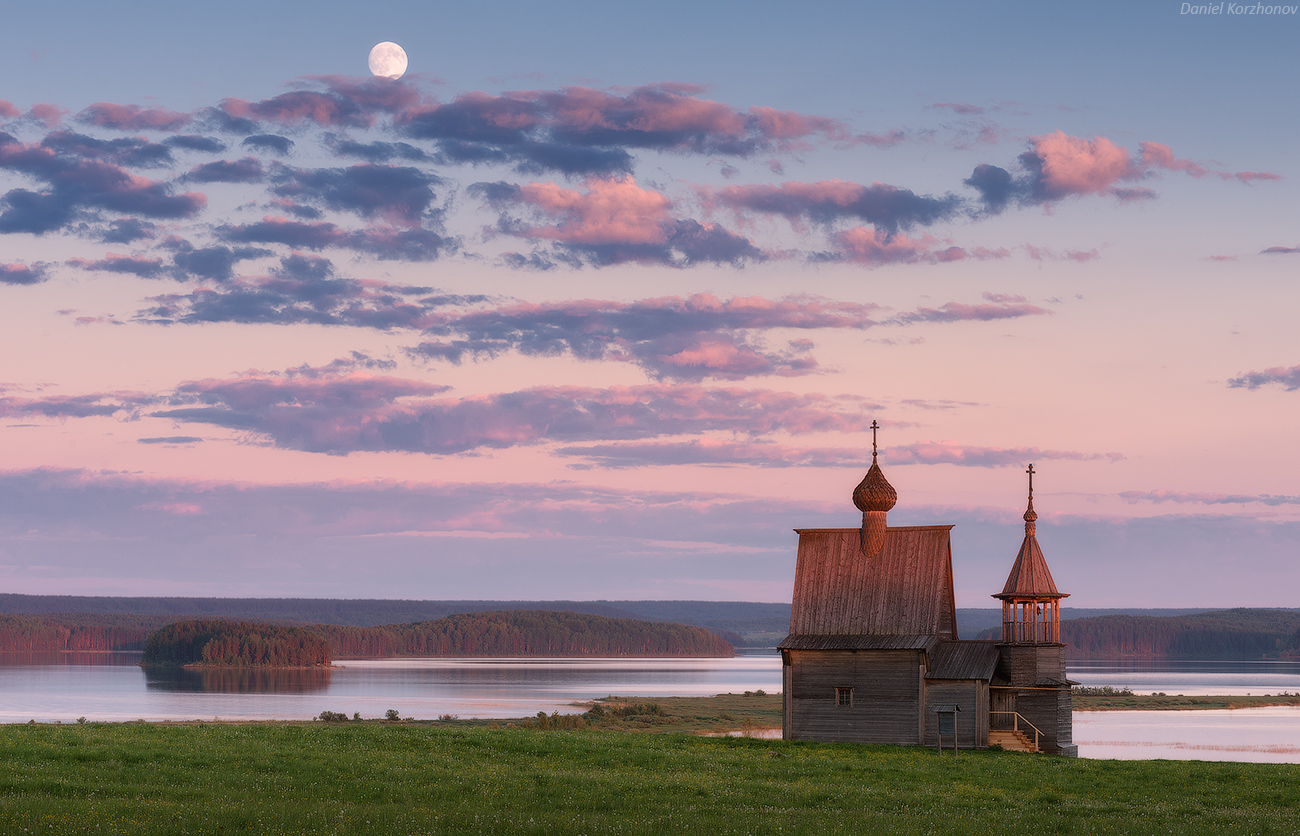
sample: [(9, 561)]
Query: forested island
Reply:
[(515, 633), (212, 643)]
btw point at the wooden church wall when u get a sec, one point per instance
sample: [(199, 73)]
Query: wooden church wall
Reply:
[(886, 699), (972, 722)]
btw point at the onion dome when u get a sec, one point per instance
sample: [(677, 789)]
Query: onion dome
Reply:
[(874, 496)]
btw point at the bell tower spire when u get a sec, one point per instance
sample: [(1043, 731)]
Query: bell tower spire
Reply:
[(1031, 603)]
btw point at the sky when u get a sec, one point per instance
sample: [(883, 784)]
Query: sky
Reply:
[(600, 302)]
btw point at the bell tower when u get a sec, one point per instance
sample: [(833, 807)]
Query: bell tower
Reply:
[(1031, 604), (1032, 654)]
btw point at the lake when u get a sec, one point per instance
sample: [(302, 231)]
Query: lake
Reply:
[(112, 687)]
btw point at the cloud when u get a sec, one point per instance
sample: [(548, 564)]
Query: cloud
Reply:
[(126, 230), (864, 245), (113, 263), (346, 102), (947, 452), (74, 186), (170, 439), (303, 289), (126, 151), (359, 412), (399, 195), (1155, 155), (19, 273), (887, 208), (615, 221), (684, 338), (246, 170), (74, 406), (710, 451), (376, 152), (1288, 378), (1280, 251), (132, 117), (1060, 166), (1045, 254), (994, 308), (268, 142), (193, 142), (581, 130), (1183, 497), (216, 263), (385, 243)]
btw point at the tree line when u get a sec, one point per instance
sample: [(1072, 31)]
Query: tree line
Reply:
[(249, 643), (525, 633), (1218, 635)]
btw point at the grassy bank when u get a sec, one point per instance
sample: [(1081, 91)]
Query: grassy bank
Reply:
[(1167, 702), (395, 778)]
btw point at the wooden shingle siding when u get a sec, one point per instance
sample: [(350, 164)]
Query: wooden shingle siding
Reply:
[(963, 660), (886, 696), (905, 589)]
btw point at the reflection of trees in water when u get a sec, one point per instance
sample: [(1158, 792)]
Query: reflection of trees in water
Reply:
[(238, 680), (23, 658)]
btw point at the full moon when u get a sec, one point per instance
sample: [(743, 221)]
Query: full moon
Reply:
[(388, 60)]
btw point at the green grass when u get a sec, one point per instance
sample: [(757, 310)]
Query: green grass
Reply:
[(397, 778), (1168, 702)]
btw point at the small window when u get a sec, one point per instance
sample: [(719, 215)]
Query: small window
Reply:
[(844, 697)]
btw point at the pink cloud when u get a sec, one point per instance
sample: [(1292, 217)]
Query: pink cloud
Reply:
[(132, 117), (8, 111), (996, 306), (1156, 155), (48, 114), (1248, 176), (613, 210), (865, 245), (1071, 165), (343, 414)]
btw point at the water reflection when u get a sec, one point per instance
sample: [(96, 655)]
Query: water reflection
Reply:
[(238, 680), (80, 658)]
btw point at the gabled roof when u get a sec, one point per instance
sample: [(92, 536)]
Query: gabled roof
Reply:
[(904, 590), (963, 660), (799, 641), (1030, 577)]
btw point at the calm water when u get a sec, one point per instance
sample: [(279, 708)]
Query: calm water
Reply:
[(111, 686)]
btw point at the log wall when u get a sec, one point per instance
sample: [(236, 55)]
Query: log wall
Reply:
[(887, 696)]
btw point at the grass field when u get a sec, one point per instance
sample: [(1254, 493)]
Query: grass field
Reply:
[(399, 778), (1170, 702)]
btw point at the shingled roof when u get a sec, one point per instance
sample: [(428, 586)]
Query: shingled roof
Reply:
[(1030, 577), (904, 590)]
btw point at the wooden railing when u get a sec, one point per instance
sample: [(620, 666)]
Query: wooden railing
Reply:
[(1016, 720)]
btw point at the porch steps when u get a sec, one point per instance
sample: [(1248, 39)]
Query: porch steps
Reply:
[(1012, 741)]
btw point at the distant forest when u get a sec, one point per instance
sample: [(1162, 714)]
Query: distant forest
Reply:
[(729, 619), (1221, 634), (217, 642), (1224, 635)]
